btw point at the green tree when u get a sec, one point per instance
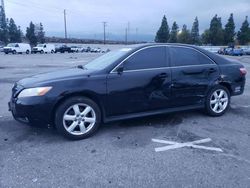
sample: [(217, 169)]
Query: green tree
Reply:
[(14, 32), (195, 35), (41, 34), (173, 33), (244, 33), (30, 34), (184, 36), (229, 31), (162, 34), (216, 31), (3, 29), (205, 37)]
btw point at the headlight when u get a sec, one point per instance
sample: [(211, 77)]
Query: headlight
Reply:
[(31, 92)]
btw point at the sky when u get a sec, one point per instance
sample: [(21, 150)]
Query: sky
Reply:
[(85, 17)]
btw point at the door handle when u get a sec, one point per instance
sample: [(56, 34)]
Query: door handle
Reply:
[(193, 72), (163, 75), (211, 70)]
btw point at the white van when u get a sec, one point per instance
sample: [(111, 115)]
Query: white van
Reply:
[(17, 48), (44, 48)]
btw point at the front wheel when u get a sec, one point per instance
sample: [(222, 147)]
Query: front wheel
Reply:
[(78, 118), (217, 101)]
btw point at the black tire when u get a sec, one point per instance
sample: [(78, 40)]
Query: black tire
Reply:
[(27, 51), (62, 109), (6, 52), (208, 107), (14, 52), (41, 52), (52, 51)]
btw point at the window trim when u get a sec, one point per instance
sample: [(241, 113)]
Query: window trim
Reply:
[(170, 65), (171, 62)]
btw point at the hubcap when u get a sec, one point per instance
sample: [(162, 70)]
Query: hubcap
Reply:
[(79, 119), (219, 101)]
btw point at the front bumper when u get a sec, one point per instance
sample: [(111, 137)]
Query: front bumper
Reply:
[(26, 110)]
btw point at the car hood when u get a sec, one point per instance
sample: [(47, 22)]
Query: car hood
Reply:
[(51, 77)]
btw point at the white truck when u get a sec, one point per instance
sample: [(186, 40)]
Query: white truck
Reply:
[(17, 48), (44, 48)]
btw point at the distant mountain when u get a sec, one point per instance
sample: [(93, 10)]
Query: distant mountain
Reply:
[(109, 36)]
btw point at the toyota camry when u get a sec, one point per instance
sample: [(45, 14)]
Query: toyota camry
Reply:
[(131, 82)]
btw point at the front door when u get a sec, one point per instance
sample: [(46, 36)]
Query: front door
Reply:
[(144, 84)]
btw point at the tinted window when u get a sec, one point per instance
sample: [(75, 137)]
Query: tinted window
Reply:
[(153, 57), (186, 56)]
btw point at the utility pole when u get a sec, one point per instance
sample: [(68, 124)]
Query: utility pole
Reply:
[(136, 34), (104, 32), (128, 30), (65, 24), (126, 35)]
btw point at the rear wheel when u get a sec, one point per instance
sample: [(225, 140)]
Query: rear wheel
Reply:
[(217, 101), (14, 51), (52, 51), (42, 52), (27, 51), (78, 118)]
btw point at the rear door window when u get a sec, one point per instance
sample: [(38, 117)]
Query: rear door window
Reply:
[(183, 56)]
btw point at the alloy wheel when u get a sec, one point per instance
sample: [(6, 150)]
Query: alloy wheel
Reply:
[(79, 119), (219, 101)]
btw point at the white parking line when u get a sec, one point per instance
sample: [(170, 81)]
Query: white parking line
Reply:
[(193, 144)]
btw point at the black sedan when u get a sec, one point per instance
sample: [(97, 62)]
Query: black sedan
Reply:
[(135, 81), (63, 49)]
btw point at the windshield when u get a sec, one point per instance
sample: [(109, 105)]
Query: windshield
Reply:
[(40, 45), (11, 45), (107, 59)]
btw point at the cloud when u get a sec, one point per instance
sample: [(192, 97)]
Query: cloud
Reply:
[(86, 16)]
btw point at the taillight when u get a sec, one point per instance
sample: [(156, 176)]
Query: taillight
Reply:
[(243, 71)]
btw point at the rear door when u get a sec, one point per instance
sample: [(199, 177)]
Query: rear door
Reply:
[(144, 84), (192, 74)]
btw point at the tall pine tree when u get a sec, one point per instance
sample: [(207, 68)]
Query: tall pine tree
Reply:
[(184, 36), (41, 34), (216, 31), (244, 33), (173, 33), (30, 34), (3, 29), (229, 32), (195, 35), (162, 34), (14, 32)]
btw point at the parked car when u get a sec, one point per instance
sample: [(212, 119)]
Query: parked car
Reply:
[(76, 49), (44, 48), (95, 50), (17, 48), (221, 51), (1, 48), (135, 81), (246, 51), (63, 49), (234, 51)]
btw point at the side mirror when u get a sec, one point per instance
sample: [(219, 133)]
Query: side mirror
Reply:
[(120, 69)]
